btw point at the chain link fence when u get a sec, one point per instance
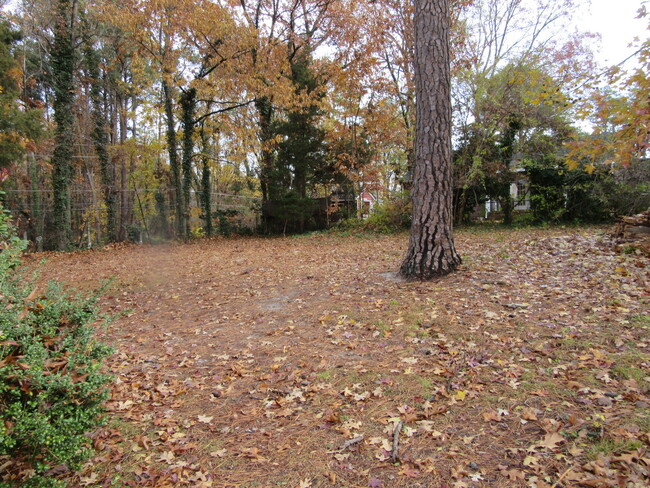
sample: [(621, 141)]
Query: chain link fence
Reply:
[(142, 215)]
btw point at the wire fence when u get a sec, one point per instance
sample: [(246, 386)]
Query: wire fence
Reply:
[(141, 213)]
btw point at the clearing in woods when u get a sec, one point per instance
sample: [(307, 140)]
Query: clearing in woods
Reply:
[(296, 362)]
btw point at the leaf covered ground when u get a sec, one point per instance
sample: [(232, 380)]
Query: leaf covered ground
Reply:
[(301, 362)]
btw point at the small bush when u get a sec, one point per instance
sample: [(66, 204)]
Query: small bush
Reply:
[(394, 215), (51, 385)]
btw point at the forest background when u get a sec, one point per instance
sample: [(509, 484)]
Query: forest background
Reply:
[(153, 120)]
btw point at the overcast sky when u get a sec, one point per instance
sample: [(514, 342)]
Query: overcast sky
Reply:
[(615, 21)]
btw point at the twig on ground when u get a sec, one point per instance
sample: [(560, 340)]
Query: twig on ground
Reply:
[(557, 483), (348, 443), (352, 442), (398, 430)]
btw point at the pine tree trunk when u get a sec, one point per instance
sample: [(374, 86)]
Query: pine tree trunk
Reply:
[(431, 250), (173, 156), (99, 137), (63, 64)]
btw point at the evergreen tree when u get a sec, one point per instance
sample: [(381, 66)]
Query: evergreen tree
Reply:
[(301, 161)]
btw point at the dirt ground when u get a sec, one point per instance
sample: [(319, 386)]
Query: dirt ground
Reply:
[(302, 362)]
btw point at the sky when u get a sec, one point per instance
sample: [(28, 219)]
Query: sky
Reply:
[(615, 21)]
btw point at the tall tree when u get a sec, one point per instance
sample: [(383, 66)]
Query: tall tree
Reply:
[(188, 105), (431, 251), (99, 135), (63, 67)]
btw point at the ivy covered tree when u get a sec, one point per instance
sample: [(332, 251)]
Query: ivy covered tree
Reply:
[(63, 59), (100, 135)]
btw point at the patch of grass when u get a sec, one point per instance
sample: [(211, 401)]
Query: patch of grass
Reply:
[(324, 375), (640, 321), (409, 386), (425, 383), (128, 429), (627, 366), (608, 446), (492, 399), (629, 372), (553, 387), (383, 328), (628, 250), (422, 333), (528, 376), (643, 421)]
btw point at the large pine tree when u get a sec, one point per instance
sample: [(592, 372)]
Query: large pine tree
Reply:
[(431, 250)]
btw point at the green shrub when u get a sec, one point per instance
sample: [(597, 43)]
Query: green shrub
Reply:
[(51, 385), (558, 194), (393, 215), (224, 221)]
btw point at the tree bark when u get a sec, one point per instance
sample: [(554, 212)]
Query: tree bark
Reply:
[(188, 104), (63, 65), (431, 250), (172, 147), (99, 136)]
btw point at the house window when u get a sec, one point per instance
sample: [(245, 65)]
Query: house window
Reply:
[(522, 193)]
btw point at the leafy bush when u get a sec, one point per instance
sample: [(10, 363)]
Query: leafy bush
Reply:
[(558, 194), (51, 385), (394, 215), (224, 221)]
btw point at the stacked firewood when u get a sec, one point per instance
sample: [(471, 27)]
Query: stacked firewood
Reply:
[(634, 232)]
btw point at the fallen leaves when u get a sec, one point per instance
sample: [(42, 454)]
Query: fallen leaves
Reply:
[(540, 360)]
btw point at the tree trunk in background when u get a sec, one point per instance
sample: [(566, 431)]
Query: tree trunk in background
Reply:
[(188, 104), (431, 250), (508, 177), (63, 65), (173, 156), (99, 137), (265, 113), (206, 199), (125, 203)]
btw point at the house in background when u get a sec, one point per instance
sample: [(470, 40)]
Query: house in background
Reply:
[(366, 202), (519, 191)]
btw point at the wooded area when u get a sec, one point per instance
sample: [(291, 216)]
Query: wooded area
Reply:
[(184, 118)]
